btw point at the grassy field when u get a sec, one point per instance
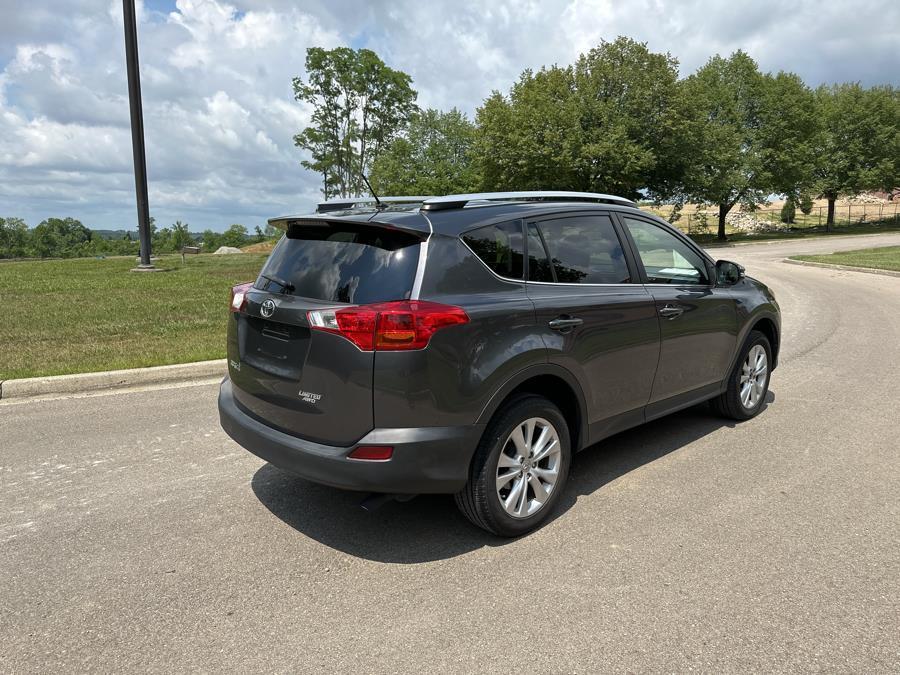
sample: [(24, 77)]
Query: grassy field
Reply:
[(72, 316), (885, 258)]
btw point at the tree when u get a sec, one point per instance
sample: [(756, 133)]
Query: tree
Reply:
[(788, 127), (531, 140), (788, 212), (613, 122), (752, 134), (14, 238), (161, 241), (806, 203), (211, 240), (235, 235), (433, 157), (59, 237), (633, 118), (359, 106), (181, 235), (858, 142)]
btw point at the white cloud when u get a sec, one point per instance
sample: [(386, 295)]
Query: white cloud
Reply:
[(219, 117), (216, 76)]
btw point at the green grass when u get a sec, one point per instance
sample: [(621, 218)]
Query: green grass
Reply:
[(73, 316), (884, 258)]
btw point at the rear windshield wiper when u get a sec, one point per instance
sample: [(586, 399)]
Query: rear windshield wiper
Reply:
[(286, 286)]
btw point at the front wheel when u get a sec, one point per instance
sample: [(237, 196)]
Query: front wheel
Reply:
[(519, 469), (748, 382)]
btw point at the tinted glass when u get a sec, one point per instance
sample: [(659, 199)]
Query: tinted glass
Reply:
[(342, 263), (585, 250), (538, 262), (500, 247), (667, 259)]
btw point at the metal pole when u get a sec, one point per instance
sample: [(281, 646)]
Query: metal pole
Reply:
[(137, 132)]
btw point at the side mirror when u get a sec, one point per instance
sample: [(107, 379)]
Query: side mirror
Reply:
[(728, 273)]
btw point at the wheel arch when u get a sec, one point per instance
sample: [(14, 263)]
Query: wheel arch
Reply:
[(554, 383), (769, 328)]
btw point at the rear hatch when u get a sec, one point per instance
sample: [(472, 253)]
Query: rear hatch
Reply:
[(307, 382)]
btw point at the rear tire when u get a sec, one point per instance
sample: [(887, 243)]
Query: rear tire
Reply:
[(519, 469), (748, 383)]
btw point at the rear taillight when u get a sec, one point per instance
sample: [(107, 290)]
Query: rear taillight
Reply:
[(388, 326), (239, 296)]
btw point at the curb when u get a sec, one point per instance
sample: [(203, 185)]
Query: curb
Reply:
[(845, 268), (111, 379)]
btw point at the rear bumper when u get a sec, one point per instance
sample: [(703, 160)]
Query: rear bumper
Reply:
[(425, 459)]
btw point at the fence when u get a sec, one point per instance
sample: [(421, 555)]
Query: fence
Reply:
[(769, 220)]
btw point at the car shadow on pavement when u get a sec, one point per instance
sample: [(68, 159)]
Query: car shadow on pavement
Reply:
[(429, 527)]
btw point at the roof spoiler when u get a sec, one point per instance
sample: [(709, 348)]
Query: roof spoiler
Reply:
[(414, 223), (345, 204)]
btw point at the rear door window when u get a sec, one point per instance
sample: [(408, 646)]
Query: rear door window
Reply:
[(500, 247), (342, 262), (585, 250)]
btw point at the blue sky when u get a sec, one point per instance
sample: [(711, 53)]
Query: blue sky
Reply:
[(216, 75), (164, 6)]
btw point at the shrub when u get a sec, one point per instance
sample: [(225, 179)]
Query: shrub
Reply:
[(788, 212), (806, 204)]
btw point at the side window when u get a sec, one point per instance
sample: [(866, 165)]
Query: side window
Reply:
[(585, 250), (667, 259), (538, 262), (500, 247)]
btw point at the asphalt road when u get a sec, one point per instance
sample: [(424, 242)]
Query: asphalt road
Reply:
[(134, 535)]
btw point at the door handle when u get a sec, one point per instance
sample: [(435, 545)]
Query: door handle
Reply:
[(565, 323), (671, 311)]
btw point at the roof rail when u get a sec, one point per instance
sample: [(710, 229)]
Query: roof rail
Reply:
[(460, 201), (344, 203)]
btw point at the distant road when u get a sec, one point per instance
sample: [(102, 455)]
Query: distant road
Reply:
[(134, 535)]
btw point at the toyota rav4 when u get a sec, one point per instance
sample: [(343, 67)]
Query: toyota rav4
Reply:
[(470, 344)]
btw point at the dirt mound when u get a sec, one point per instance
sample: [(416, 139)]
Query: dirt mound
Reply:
[(260, 247)]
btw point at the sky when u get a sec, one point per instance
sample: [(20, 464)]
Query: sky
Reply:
[(219, 113)]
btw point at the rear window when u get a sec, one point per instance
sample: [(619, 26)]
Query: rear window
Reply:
[(342, 262), (500, 247)]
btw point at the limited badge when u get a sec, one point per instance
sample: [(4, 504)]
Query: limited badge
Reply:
[(309, 397)]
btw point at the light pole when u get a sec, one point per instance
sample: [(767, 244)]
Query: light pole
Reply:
[(137, 134)]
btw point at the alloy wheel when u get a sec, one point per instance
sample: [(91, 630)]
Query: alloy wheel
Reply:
[(753, 377), (528, 467)]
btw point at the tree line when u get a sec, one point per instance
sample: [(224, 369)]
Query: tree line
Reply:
[(70, 238), (619, 120)]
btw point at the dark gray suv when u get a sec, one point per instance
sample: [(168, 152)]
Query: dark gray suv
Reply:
[(470, 344)]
